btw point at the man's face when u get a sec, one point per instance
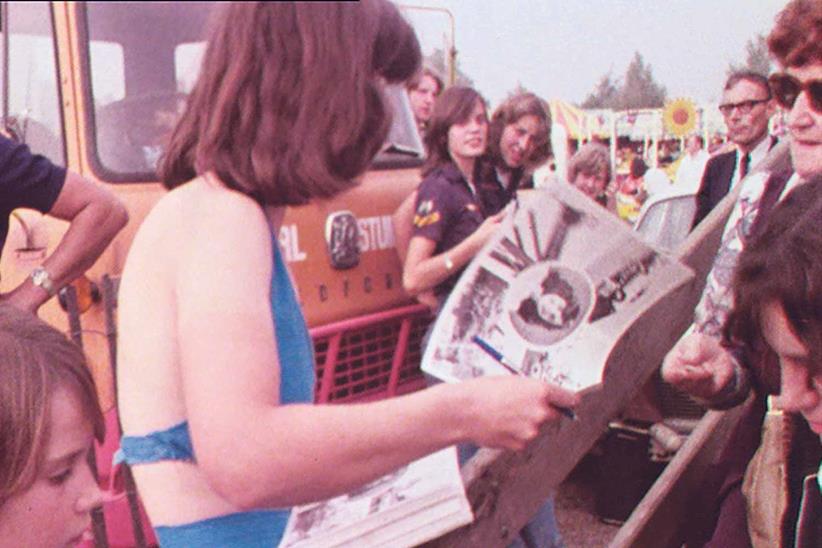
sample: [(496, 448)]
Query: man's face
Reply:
[(805, 125), (748, 121)]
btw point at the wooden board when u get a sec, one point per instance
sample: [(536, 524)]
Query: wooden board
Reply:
[(658, 520)]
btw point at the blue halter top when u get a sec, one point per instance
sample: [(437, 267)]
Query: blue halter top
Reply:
[(242, 529)]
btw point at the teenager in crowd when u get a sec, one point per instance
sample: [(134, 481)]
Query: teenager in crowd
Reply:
[(216, 370), (590, 171), (778, 310), (423, 90), (49, 418), (455, 216), (452, 221), (519, 140)]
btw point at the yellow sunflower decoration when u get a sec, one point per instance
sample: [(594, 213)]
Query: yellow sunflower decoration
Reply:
[(679, 116)]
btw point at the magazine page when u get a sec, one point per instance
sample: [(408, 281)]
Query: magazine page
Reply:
[(549, 295), (411, 505)]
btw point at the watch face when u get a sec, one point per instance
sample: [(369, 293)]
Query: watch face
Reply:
[(40, 277)]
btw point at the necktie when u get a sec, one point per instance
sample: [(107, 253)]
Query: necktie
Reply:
[(744, 165)]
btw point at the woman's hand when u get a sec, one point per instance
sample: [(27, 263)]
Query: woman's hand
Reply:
[(487, 229), (699, 365), (507, 412)]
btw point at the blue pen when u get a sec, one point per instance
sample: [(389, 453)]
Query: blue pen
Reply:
[(500, 359)]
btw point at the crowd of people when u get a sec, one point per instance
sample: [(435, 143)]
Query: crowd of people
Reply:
[(216, 371)]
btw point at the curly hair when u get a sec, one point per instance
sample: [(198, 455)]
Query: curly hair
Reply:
[(510, 112), (289, 105), (454, 106), (37, 360), (796, 39), (783, 265)]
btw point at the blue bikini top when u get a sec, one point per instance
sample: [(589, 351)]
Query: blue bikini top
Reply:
[(296, 376)]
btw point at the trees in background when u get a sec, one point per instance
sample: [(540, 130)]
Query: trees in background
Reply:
[(637, 89), (756, 57), (437, 61)]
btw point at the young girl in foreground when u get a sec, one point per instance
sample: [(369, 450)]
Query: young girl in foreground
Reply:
[(778, 309), (216, 371), (49, 417)]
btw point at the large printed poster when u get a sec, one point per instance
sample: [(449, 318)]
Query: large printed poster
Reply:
[(550, 294)]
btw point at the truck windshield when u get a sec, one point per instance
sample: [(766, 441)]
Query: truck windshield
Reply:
[(143, 60)]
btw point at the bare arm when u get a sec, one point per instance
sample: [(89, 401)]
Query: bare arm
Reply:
[(255, 452), (95, 216), (423, 270)]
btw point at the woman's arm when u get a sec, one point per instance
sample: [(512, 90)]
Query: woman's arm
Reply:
[(423, 270), (255, 452)]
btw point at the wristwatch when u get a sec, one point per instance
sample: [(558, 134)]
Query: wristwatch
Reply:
[(41, 278)]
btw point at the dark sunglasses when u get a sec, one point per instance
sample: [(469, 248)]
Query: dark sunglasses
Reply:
[(786, 89)]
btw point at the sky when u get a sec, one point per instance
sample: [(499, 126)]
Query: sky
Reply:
[(561, 48)]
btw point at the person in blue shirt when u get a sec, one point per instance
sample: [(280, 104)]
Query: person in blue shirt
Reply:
[(95, 215)]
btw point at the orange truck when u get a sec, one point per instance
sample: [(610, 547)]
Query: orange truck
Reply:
[(97, 87)]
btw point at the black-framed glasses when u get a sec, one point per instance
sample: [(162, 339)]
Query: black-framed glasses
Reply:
[(786, 90), (744, 107)]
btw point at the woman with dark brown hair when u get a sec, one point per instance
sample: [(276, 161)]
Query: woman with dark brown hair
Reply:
[(451, 222), (216, 370)]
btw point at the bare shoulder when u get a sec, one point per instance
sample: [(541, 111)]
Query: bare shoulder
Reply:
[(201, 205)]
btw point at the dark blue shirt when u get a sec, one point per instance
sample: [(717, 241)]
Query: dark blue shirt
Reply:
[(447, 213), (26, 180)]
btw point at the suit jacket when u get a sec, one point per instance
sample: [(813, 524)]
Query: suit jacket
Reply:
[(716, 181)]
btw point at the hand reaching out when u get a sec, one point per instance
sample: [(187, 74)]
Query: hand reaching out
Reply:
[(699, 365)]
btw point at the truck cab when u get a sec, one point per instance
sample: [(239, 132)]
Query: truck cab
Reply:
[(98, 87)]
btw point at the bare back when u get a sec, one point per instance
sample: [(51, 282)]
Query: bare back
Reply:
[(150, 384)]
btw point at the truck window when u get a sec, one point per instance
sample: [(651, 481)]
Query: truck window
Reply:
[(140, 59), (144, 59), (31, 101)]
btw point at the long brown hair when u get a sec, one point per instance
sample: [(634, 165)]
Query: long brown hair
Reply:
[(35, 360), (454, 106), (514, 108), (783, 265), (289, 104)]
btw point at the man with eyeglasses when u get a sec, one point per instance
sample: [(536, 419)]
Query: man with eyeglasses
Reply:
[(747, 108), (702, 365)]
